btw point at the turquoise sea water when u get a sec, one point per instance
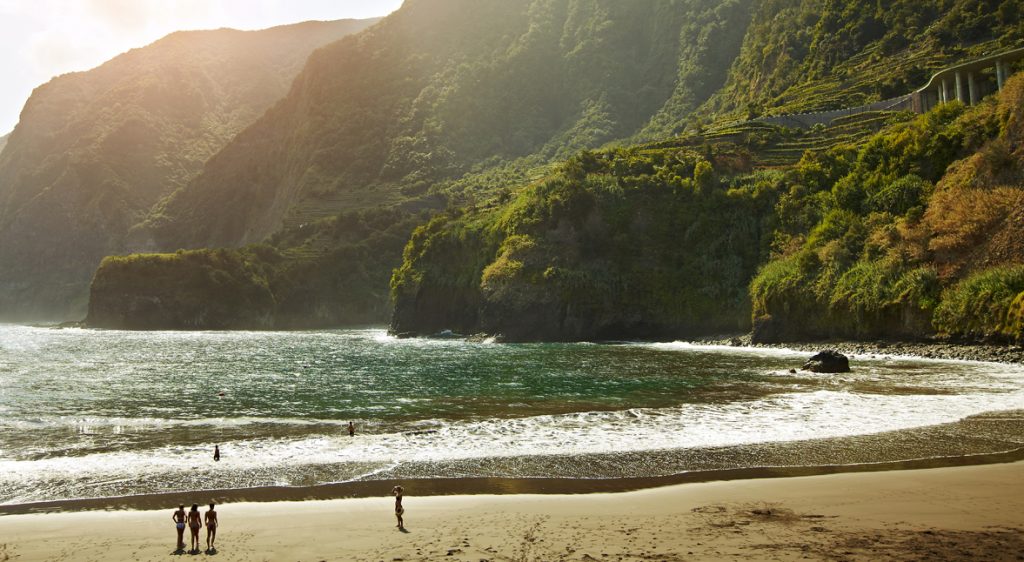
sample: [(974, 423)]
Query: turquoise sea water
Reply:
[(102, 413)]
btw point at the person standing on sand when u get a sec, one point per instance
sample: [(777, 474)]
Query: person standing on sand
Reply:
[(194, 524), (399, 510), (211, 528), (179, 524), (351, 429)]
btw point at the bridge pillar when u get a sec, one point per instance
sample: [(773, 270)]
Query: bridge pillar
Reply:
[(960, 88), (999, 75), (972, 88)]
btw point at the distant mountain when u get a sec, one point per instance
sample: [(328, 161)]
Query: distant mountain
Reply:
[(95, 150), (442, 88)]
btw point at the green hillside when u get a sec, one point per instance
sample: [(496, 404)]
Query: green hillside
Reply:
[(809, 55), (95, 150), (445, 88)]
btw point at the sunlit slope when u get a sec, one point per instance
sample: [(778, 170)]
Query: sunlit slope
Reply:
[(95, 150), (445, 87)]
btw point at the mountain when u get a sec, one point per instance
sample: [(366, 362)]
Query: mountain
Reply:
[(94, 151), (599, 169), (445, 88), (3, 141)]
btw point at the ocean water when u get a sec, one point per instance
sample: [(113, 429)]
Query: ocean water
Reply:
[(88, 413)]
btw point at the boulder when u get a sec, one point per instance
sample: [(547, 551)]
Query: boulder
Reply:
[(828, 361)]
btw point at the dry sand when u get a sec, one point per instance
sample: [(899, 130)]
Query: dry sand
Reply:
[(962, 513)]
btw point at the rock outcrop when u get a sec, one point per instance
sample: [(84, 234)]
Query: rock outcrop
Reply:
[(828, 361)]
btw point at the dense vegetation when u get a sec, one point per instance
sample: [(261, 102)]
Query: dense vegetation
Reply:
[(808, 55), (94, 151), (625, 243)]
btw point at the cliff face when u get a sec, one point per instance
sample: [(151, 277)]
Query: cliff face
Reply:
[(202, 290), (95, 150), (622, 244), (445, 87)]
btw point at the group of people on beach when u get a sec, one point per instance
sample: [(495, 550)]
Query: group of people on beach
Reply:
[(191, 518), (194, 522)]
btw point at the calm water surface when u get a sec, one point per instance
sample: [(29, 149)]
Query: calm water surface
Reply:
[(102, 413)]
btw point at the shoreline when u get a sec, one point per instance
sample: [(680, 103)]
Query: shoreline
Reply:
[(957, 513), (979, 352), (439, 487)]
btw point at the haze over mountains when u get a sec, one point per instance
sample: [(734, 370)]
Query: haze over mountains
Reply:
[(95, 150)]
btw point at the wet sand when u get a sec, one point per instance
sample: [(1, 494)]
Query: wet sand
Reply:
[(954, 513)]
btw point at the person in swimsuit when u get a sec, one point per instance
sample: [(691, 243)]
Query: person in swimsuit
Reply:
[(216, 452), (211, 528), (179, 524), (194, 524), (399, 510), (351, 429)]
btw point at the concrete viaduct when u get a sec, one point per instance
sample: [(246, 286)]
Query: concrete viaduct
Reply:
[(967, 82)]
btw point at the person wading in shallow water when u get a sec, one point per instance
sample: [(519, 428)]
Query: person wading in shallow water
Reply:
[(351, 429), (216, 452), (399, 510), (179, 524)]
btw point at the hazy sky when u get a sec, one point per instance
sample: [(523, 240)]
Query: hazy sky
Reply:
[(40, 39)]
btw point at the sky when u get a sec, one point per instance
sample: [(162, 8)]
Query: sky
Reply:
[(40, 39)]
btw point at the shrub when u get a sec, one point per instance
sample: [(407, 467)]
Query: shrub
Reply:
[(980, 306)]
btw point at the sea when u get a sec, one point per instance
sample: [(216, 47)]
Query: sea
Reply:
[(97, 414)]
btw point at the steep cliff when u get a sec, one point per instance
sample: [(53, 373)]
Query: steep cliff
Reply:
[(94, 151)]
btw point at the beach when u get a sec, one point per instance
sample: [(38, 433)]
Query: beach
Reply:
[(953, 513)]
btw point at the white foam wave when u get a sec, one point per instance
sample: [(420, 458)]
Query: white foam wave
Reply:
[(787, 417), (715, 348)]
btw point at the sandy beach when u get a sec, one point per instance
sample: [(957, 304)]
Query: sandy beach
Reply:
[(957, 513)]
